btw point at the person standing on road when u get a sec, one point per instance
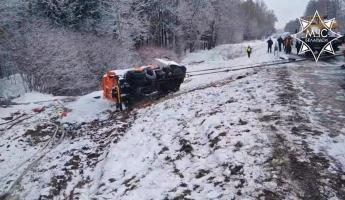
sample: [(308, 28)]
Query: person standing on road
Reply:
[(276, 48), (269, 45), (298, 46), (249, 50), (288, 44), (280, 42)]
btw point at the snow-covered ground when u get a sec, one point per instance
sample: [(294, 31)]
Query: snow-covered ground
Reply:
[(87, 108), (203, 145), (12, 86), (249, 134), (228, 55)]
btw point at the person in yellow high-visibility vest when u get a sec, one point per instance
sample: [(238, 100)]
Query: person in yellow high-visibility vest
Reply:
[(249, 51)]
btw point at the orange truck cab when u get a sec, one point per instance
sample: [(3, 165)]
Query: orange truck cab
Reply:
[(111, 88)]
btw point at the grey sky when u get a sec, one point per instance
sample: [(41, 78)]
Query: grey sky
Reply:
[(286, 10)]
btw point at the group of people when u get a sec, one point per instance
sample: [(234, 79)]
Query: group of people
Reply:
[(278, 45)]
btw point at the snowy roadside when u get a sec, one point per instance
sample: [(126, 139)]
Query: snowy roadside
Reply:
[(228, 55), (79, 141), (206, 144), (243, 135)]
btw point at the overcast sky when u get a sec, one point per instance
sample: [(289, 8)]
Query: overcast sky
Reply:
[(286, 10)]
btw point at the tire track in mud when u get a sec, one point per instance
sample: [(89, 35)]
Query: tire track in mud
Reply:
[(82, 160), (73, 133), (102, 141), (34, 163), (297, 170)]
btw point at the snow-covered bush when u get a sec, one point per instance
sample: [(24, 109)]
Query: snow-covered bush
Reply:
[(64, 62), (149, 53), (64, 46), (71, 13)]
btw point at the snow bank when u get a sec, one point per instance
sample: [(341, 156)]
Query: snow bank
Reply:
[(84, 109), (231, 56), (223, 54), (12, 86), (87, 108), (27, 102), (33, 97)]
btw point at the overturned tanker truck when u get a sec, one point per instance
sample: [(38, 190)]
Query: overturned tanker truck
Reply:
[(125, 87)]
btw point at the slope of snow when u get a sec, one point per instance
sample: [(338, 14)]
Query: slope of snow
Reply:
[(229, 55), (87, 108), (204, 145), (12, 86), (201, 144), (26, 103), (208, 141), (32, 97)]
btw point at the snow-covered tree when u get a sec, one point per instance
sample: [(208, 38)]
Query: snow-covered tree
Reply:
[(329, 8), (64, 46), (71, 13)]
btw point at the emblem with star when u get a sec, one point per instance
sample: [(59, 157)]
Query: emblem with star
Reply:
[(324, 25)]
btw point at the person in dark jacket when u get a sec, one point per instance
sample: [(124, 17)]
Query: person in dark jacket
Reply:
[(298, 46), (269, 45), (280, 43), (249, 51)]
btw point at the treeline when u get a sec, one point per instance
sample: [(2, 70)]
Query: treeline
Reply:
[(329, 8), (64, 46)]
